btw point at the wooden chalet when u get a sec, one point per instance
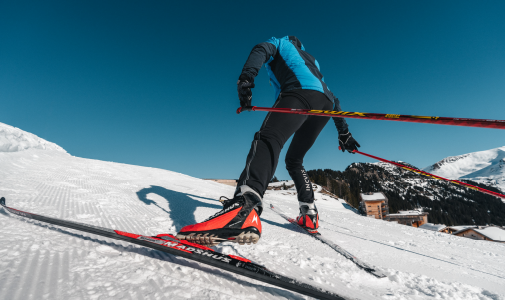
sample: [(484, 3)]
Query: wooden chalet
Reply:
[(374, 205), (486, 233), (232, 182), (412, 218)]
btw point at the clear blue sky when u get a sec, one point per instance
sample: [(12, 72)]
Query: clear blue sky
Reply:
[(153, 83)]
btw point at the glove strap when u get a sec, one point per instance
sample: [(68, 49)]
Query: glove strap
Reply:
[(347, 135)]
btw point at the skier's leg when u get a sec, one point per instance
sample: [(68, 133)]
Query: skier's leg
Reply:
[(263, 156), (303, 140), (239, 221)]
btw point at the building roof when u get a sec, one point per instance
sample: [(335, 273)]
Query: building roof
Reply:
[(494, 233), (405, 213), (461, 227), (491, 232), (433, 227), (373, 197)]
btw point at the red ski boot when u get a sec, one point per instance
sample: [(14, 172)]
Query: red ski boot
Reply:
[(308, 218), (237, 222)]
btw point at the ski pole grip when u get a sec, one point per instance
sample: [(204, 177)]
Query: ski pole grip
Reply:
[(353, 151), (245, 108)]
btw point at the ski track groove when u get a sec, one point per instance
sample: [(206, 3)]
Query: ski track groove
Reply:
[(73, 291), (45, 284), (200, 282), (156, 288), (7, 279), (21, 279), (63, 274), (37, 281), (129, 225)]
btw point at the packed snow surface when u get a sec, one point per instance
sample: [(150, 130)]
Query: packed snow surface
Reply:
[(13, 139), (483, 166), (41, 261)]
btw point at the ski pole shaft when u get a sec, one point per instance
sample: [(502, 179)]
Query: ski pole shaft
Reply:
[(484, 123), (431, 175)]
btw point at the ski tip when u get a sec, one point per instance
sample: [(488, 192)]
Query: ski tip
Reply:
[(375, 272), (378, 274), (2, 201)]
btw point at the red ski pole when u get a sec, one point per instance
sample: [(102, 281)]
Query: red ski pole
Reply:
[(484, 123), (431, 175)]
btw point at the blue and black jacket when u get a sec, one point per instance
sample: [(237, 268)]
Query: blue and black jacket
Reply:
[(290, 67)]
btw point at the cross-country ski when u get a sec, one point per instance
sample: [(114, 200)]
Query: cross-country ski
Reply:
[(170, 244), (370, 269)]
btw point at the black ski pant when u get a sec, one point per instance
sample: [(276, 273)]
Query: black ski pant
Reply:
[(276, 129)]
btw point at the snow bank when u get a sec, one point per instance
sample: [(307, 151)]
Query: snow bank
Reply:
[(13, 139)]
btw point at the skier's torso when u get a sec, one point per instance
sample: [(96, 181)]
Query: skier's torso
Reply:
[(291, 67)]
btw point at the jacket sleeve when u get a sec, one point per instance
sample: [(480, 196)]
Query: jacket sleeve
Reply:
[(259, 55), (340, 123)]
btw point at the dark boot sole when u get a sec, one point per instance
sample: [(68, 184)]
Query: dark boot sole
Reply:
[(208, 239)]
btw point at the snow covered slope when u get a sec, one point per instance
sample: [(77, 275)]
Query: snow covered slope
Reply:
[(14, 139), (484, 166), (41, 261)]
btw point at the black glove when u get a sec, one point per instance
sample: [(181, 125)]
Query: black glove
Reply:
[(347, 142), (244, 85)]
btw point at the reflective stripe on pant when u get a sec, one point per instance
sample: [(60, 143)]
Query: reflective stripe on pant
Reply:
[(275, 131)]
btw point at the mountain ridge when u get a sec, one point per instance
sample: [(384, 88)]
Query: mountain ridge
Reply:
[(486, 167), (446, 203)]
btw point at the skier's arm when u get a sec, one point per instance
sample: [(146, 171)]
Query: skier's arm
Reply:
[(340, 123), (259, 55), (345, 138)]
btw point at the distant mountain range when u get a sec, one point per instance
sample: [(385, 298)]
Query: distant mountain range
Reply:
[(486, 167), (446, 203)]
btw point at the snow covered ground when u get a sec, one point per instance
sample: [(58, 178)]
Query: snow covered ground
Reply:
[(41, 261)]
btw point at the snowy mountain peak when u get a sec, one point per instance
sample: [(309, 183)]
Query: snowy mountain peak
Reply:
[(447, 160), (13, 139), (483, 166)]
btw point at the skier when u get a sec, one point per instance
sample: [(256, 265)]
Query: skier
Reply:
[(298, 84)]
